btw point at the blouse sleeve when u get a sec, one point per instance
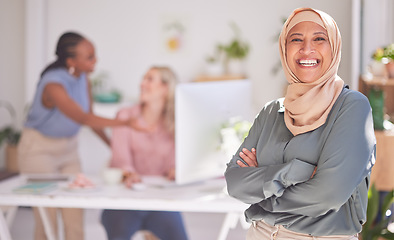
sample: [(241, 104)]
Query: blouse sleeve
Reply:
[(120, 145), (345, 161), (263, 181)]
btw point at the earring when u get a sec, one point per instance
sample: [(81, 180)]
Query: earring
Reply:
[(71, 70)]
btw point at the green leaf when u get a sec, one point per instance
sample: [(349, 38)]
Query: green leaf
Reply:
[(373, 205), (9, 135)]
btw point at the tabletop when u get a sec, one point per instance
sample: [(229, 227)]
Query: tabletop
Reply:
[(206, 196)]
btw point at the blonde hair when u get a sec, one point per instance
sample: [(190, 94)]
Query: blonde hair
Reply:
[(169, 78)]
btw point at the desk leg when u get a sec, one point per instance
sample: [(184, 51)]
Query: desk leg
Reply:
[(47, 225), (10, 216), (4, 230), (230, 221)]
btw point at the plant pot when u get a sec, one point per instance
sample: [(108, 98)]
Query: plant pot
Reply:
[(236, 67), (390, 69), (377, 68), (214, 69), (11, 158)]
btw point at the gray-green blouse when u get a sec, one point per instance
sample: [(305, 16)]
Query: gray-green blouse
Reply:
[(280, 189)]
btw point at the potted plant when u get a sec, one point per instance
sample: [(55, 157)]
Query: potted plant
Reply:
[(214, 65), (373, 228), (235, 52), (383, 61), (388, 54), (101, 92), (377, 67), (10, 136)]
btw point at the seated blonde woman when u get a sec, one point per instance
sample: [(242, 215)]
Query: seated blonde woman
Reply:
[(146, 153)]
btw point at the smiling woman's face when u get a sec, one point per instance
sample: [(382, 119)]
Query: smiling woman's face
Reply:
[(152, 87), (308, 51)]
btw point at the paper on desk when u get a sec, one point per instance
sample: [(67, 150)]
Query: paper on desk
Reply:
[(36, 187)]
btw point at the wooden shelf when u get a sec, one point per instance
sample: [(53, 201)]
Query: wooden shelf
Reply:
[(387, 84), (383, 171), (379, 82)]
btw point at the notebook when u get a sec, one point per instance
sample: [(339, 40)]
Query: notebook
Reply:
[(36, 187)]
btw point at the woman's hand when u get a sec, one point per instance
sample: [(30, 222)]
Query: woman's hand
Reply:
[(171, 174), (133, 123), (249, 158), (129, 178)]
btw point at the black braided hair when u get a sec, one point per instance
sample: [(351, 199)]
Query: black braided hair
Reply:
[(65, 49)]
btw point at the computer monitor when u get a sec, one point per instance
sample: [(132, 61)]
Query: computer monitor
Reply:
[(201, 108)]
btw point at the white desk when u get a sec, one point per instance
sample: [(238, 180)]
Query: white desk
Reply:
[(207, 197)]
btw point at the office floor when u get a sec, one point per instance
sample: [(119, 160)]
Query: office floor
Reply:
[(199, 226)]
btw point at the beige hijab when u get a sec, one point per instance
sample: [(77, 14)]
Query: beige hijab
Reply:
[(307, 105)]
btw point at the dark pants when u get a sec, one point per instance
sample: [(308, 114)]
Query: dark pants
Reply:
[(122, 224)]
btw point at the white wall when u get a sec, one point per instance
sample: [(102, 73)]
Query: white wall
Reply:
[(378, 27), (11, 61), (127, 35)]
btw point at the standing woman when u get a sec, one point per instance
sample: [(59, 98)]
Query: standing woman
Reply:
[(305, 165), (146, 153), (62, 103)]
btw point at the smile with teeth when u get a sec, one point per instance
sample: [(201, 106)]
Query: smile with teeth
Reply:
[(308, 63)]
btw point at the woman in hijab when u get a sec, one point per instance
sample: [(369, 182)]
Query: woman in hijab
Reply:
[(304, 167)]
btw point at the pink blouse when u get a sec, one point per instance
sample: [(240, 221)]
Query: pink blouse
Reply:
[(147, 153)]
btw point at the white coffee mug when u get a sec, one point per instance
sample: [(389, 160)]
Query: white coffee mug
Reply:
[(112, 175)]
